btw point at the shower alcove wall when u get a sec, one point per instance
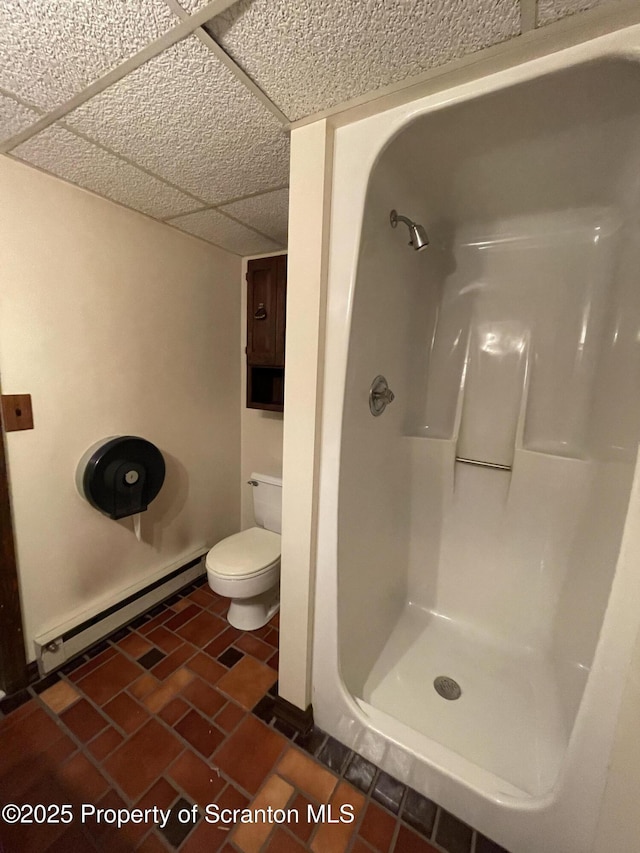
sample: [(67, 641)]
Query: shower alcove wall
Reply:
[(512, 340)]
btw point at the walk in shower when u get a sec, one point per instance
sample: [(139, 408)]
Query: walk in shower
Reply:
[(470, 534)]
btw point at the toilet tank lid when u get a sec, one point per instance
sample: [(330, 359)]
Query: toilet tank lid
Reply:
[(267, 478)]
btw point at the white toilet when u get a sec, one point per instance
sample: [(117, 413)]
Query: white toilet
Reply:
[(246, 566)]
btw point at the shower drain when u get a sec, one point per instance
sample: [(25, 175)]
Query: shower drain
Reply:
[(447, 687)]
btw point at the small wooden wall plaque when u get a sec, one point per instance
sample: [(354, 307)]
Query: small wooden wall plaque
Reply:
[(17, 412)]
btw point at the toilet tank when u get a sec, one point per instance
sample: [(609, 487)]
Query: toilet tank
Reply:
[(267, 501)]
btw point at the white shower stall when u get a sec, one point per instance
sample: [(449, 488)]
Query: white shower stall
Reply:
[(477, 529)]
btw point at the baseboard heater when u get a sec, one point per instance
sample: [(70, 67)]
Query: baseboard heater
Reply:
[(58, 646)]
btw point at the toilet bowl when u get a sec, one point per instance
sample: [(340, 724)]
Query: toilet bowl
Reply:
[(245, 567)]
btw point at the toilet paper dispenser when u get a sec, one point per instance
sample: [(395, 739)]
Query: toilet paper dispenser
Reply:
[(120, 476)]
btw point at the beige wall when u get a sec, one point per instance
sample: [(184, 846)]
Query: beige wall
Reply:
[(261, 441), (115, 324)]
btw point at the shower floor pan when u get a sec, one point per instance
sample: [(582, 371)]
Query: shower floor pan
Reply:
[(507, 719)]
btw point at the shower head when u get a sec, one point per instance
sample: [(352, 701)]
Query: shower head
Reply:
[(417, 235)]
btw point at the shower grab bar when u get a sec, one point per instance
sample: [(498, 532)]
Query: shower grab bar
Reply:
[(483, 464)]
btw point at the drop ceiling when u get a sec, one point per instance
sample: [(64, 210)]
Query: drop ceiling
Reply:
[(180, 109)]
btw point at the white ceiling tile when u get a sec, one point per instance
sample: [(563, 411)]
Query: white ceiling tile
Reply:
[(192, 6), (14, 117), (308, 55), (51, 49), (74, 159), (185, 117), (267, 213), (552, 10), (224, 232)]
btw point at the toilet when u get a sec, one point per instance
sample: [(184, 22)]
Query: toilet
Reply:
[(245, 567)]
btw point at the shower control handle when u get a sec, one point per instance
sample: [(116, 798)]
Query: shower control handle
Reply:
[(380, 395)]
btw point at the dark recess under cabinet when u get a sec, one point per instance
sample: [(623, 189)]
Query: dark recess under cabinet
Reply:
[(266, 322)]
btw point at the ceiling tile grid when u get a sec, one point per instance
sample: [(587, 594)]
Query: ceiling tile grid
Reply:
[(552, 10), (52, 49), (309, 55), (77, 160), (185, 117), (267, 213), (14, 117), (224, 232)]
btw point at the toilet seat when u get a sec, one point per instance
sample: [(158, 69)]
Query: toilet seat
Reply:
[(247, 554)]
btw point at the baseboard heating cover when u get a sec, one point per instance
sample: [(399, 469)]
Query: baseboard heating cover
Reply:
[(63, 643)]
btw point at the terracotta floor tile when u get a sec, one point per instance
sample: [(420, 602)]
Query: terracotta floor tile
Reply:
[(203, 596), (222, 641), (250, 837), (282, 842), (254, 739), (28, 738), (304, 827), (200, 733), (83, 720), (62, 695), (207, 668), (173, 661), (142, 759), (154, 623), (307, 775), (182, 617), (206, 838), (275, 621), (335, 837), (220, 604), (165, 640), (360, 847), (133, 644), (204, 697), (202, 629), (254, 646), (174, 711), (232, 798), (377, 827), (181, 605), (261, 633), (144, 685), (274, 662), (273, 637), (200, 780), (230, 716), (92, 665), (247, 682), (160, 794), (20, 713), (167, 691), (102, 684), (105, 743), (408, 842), (82, 779), (152, 844), (126, 712), (109, 837), (28, 769), (74, 839)]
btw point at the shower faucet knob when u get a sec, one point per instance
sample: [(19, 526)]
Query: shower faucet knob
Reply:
[(380, 395)]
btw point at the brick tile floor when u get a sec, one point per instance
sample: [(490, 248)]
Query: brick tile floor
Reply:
[(176, 713)]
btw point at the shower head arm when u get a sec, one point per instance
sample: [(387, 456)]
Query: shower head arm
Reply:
[(396, 217)]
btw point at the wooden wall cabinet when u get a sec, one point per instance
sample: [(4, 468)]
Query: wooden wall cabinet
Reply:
[(266, 323)]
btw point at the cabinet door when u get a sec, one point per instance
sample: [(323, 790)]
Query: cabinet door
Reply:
[(262, 311)]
